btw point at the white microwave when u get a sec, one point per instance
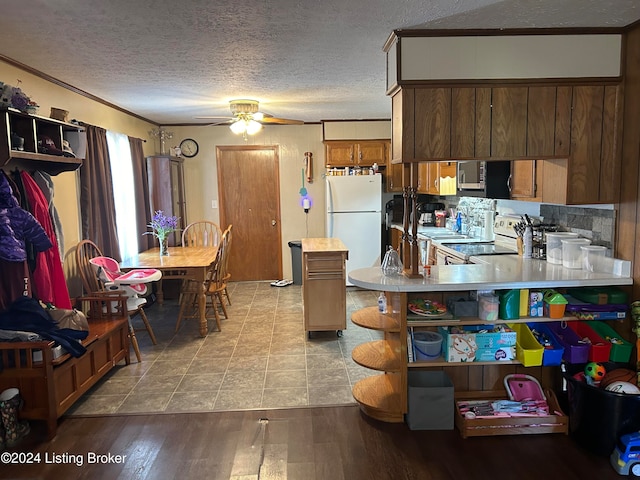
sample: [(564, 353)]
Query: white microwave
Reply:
[(471, 175)]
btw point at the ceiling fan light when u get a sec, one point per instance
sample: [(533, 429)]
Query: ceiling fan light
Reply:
[(258, 116), (238, 127), (253, 127)]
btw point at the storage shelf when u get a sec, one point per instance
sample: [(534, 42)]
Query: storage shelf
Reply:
[(440, 362), (417, 321), (371, 318), (382, 355), (380, 397)]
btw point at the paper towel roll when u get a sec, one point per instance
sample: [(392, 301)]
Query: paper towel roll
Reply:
[(488, 225)]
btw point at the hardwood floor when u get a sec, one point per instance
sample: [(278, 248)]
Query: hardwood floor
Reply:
[(320, 443)]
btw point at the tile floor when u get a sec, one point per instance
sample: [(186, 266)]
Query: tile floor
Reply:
[(262, 359)]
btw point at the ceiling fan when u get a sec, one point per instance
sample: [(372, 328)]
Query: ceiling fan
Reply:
[(247, 120)]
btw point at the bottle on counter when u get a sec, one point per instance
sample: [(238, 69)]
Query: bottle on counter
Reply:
[(527, 241), (382, 303)]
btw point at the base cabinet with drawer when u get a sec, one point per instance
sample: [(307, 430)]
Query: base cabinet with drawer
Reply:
[(324, 279)]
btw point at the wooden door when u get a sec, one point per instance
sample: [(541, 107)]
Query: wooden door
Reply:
[(523, 179), (432, 123), (483, 123), (586, 144), (340, 154), (463, 119), (540, 127), (249, 191), (509, 122), (371, 152), (563, 121)]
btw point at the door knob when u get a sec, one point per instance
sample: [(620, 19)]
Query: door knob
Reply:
[(273, 223)]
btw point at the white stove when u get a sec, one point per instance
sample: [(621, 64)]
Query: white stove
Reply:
[(505, 234)]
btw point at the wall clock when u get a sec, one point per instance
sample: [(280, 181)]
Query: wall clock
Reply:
[(189, 147)]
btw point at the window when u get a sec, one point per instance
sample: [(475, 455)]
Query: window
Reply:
[(123, 192)]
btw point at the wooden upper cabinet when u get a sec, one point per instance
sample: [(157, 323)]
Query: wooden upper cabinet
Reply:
[(562, 146), (340, 154), (362, 153), (522, 180), (541, 112), (432, 123), (611, 160), (370, 152), (463, 119), (483, 123), (509, 122), (586, 143)]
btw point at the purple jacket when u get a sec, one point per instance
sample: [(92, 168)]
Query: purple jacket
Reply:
[(16, 226)]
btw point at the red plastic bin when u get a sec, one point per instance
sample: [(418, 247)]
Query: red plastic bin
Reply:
[(599, 349)]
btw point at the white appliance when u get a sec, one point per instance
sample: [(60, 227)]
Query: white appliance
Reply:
[(354, 215)]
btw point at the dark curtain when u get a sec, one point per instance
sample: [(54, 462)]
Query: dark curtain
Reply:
[(97, 208), (141, 188)]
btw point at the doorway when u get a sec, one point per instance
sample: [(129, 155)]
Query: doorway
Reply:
[(249, 192)]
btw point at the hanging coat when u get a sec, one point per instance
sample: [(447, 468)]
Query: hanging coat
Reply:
[(49, 282)]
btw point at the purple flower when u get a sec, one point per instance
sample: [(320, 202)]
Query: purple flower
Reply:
[(162, 225)]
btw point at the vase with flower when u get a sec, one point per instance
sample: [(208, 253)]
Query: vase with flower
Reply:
[(161, 226)]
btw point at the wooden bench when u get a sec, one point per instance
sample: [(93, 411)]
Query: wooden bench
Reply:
[(48, 385)]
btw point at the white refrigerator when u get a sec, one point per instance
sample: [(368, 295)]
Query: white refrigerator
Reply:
[(354, 215)]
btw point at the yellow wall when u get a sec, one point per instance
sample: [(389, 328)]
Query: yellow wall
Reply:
[(200, 171)]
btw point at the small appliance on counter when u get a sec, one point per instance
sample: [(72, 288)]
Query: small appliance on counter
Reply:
[(427, 213)]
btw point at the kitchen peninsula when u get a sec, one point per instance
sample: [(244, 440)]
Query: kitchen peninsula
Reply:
[(384, 396)]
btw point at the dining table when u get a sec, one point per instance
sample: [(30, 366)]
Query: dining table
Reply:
[(191, 262)]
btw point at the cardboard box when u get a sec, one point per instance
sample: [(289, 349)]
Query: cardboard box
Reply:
[(469, 345), (536, 308)]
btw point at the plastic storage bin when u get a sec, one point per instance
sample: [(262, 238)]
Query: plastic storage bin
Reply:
[(528, 351), (598, 295), (509, 308), (554, 245), (430, 401), (620, 348), (591, 255), (575, 351), (553, 349), (572, 252), (599, 348), (427, 345), (597, 417), (488, 306)]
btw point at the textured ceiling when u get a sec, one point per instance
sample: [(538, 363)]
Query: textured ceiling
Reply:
[(170, 61)]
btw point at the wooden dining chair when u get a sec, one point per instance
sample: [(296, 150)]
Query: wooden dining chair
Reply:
[(203, 233), (92, 285), (227, 236), (213, 286)]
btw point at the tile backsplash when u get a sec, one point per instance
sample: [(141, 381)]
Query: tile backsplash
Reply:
[(596, 224)]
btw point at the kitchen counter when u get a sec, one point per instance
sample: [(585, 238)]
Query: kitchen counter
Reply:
[(491, 272), (317, 245)]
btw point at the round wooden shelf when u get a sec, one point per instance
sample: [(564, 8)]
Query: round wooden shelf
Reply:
[(379, 397), (372, 319), (382, 355)]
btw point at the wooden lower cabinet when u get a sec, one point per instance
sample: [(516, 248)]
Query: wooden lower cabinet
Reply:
[(385, 396), (324, 279)]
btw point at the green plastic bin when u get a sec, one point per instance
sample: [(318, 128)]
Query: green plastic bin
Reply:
[(620, 350)]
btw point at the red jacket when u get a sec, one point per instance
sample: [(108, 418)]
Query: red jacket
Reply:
[(49, 283)]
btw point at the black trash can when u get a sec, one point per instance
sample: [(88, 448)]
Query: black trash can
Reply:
[(597, 417), (296, 261)]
